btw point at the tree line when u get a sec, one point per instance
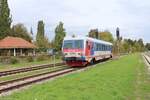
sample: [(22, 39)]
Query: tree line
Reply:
[(19, 30), (120, 45)]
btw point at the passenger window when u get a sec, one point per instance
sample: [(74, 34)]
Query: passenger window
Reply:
[(97, 47), (104, 47), (100, 47)]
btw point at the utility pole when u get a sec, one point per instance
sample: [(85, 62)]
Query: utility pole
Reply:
[(54, 57), (118, 39)]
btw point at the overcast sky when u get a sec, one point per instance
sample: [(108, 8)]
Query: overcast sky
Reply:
[(79, 16)]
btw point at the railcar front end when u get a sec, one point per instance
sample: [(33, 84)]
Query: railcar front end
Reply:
[(73, 51)]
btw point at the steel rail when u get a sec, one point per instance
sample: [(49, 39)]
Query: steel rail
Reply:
[(146, 59), (31, 76), (50, 75), (27, 69)]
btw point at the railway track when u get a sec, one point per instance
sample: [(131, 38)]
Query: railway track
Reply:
[(21, 82), (27, 69), (147, 57), (14, 84), (31, 76)]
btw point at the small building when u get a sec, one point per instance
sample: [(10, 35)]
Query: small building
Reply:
[(15, 46)]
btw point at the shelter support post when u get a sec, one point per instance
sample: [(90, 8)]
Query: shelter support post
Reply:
[(14, 52), (20, 52), (33, 52)]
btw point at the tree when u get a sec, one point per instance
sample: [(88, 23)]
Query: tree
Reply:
[(131, 46), (40, 34), (5, 19), (59, 36), (141, 44), (41, 41), (126, 46), (19, 30), (137, 47), (93, 33), (147, 46), (106, 36)]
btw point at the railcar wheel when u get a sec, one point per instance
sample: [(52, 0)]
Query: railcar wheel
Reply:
[(92, 61), (110, 56)]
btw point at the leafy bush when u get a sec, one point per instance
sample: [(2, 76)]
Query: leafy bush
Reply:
[(4, 60), (58, 56), (14, 60), (30, 59), (41, 58)]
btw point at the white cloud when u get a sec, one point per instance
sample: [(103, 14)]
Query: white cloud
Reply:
[(79, 16)]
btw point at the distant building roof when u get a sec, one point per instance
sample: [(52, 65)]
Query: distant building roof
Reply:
[(15, 42)]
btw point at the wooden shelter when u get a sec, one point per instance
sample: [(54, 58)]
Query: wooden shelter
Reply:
[(15, 46)]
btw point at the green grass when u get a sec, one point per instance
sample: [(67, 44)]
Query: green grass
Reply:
[(114, 80), (25, 64)]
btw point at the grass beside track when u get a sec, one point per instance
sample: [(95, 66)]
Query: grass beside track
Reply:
[(122, 79), (143, 84)]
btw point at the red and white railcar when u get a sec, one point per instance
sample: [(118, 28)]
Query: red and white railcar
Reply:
[(79, 51)]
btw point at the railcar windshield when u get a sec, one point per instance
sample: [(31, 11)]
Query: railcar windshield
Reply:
[(73, 44)]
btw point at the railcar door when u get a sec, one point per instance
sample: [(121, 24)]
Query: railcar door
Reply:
[(88, 48), (92, 48)]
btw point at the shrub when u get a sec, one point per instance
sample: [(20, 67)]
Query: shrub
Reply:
[(14, 60), (41, 58), (58, 56), (4, 60), (30, 59)]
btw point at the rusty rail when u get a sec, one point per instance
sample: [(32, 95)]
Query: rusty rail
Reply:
[(27, 69), (17, 86)]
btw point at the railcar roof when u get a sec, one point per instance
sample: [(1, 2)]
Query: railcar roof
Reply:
[(87, 38)]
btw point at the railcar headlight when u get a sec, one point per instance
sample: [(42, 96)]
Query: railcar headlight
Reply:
[(80, 54), (65, 54)]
